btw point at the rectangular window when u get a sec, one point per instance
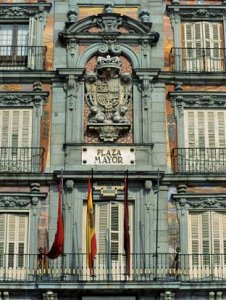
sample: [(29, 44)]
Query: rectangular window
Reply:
[(203, 50), (109, 218), (207, 238), (15, 139), (205, 138), (14, 45), (13, 240)]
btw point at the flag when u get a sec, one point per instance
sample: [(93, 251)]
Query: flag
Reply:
[(91, 247), (58, 244), (126, 225)]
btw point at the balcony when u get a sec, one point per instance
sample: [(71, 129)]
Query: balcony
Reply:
[(111, 268), (199, 160), (197, 59), (22, 57), (21, 159)]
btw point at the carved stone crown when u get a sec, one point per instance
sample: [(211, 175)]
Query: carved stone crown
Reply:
[(108, 62)]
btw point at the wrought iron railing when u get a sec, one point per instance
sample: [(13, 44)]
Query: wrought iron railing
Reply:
[(199, 160), (22, 57), (145, 267), (197, 59), (21, 159)]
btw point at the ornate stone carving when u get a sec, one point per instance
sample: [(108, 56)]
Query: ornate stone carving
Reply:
[(108, 93), (9, 201), (109, 23), (108, 7), (17, 11), (72, 15), (201, 13), (201, 202), (24, 99), (144, 15), (179, 100)]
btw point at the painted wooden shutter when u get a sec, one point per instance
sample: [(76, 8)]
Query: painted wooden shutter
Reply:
[(205, 128), (32, 43), (13, 238), (15, 128)]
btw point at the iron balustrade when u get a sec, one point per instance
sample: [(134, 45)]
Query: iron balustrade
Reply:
[(199, 160), (22, 57), (197, 59), (73, 268), (21, 159)]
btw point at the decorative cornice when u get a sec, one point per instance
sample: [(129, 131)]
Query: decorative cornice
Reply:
[(22, 98), (197, 12), (180, 99), (10, 200), (109, 24), (194, 201), (21, 10)]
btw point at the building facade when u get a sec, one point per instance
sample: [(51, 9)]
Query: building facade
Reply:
[(108, 88)]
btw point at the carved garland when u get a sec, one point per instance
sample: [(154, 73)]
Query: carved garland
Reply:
[(22, 99), (12, 201), (203, 202), (202, 13)]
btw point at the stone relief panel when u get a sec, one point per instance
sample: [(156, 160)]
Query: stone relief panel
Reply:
[(108, 100)]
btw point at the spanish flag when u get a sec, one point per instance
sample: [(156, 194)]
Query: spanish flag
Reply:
[(91, 246), (58, 243)]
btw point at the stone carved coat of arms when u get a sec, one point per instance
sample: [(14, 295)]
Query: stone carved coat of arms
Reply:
[(108, 93)]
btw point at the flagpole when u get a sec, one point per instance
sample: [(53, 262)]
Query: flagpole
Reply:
[(62, 197), (92, 273), (157, 229)]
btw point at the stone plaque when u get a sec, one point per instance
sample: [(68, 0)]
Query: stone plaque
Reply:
[(108, 155)]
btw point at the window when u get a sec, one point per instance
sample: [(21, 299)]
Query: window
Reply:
[(109, 218), (202, 46), (13, 44), (15, 139), (208, 238), (205, 138), (13, 240), (205, 128)]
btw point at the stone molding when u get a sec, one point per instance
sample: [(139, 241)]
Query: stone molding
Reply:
[(23, 98), (194, 201), (21, 200), (109, 24), (21, 10), (179, 100), (197, 12)]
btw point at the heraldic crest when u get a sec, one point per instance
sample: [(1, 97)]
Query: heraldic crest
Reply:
[(108, 93)]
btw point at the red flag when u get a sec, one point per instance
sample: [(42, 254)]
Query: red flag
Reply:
[(58, 244), (126, 225), (91, 247)]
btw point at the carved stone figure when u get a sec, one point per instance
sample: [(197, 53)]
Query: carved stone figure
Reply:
[(108, 93)]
